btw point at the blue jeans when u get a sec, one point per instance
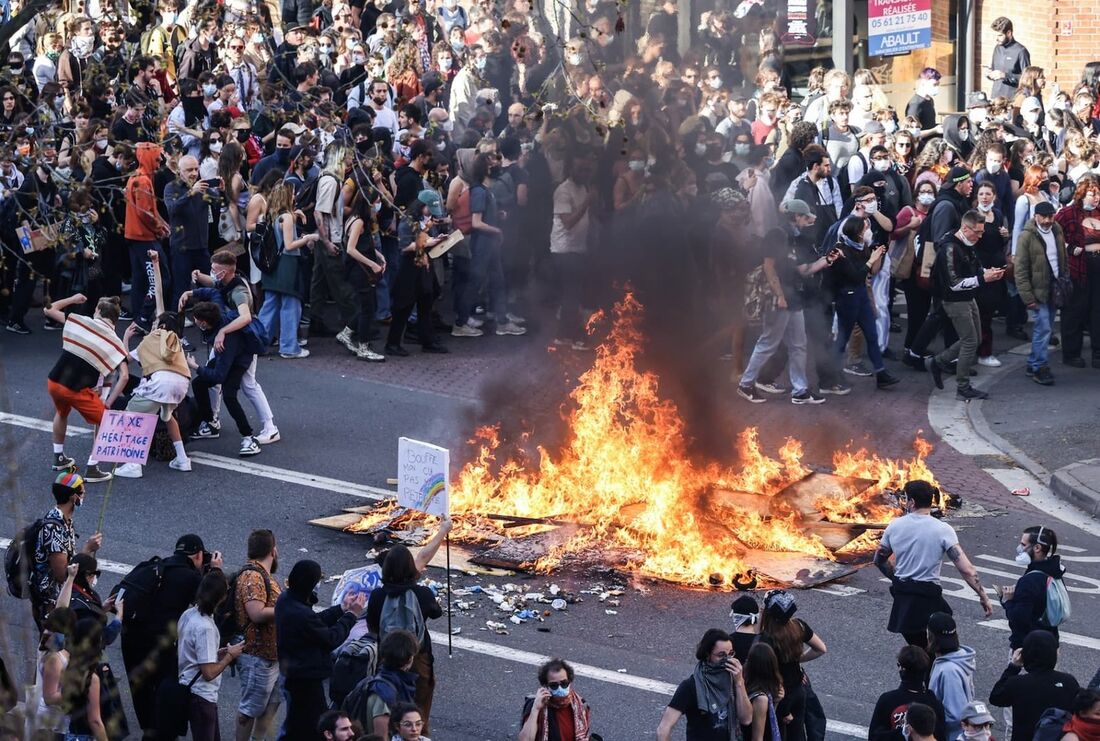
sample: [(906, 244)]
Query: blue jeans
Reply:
[(781, 326), (183, 262), (1040, 337), (487, 267), (382, 289), (142, 296), (852, 309), (283, 312)]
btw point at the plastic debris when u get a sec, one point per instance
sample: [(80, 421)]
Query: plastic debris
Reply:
[(515, 619), (554, 590), (1023, 491), (610, 612), (456, 631), (558, 604)]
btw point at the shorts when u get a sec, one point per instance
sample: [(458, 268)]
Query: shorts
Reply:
[(85, 401), (261, 685), (162, 409)]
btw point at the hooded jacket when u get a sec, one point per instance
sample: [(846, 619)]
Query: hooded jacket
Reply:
[(954, 140), (952, 681), (889, 715), (1029, 600), (143, 223), (1032, 269), (1041, 688), (306, 639)]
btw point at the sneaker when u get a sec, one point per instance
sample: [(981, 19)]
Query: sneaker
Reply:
[(475, 322), (17, 328), (807, 398), (303, 341), (510, 328), (1029, 371), (465, 330), (397, 350), (748, 393), (771, 388), (180, 464), (125, 315), (858, 369), (990, 362), (249, 446), (129, 471), (186, 345), (1074, 362), (344, 338), (515, 318), (366, 353), (62, 462), (266, 437), (51, 326), (208, 431), (936, 370), (92, 474), (914, 361), (967, 393), (837, 389), (885, 379), (1043, 377), (302, 353)]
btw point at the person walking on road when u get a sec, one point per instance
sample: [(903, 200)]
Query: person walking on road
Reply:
[(556, 710), (952, 678), (255, 596), (1026, 603), (713, 698), (917, 543), (1040, 264)]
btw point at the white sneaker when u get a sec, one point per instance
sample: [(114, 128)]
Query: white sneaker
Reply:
[(474, 322), (990, 362), (344, 338), (249, 446), (366, 352), (465, 330), (515, 318), (129, 471), (266, 437), (302, 353), (510, 328), (179, 464)]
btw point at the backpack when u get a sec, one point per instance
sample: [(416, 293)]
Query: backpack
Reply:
[(355, 662), (355, 701), (225, 617), (19, 560), (461, 218), (402, 612), (263, 247), (141, 586), (1049, 727), (306, 202), (1058, 609)]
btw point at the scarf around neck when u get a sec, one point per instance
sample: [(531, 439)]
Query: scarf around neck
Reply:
[(1085, 728), (714, 694), (579, 711)]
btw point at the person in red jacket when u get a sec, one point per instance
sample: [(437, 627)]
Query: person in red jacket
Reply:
[(144, 231)]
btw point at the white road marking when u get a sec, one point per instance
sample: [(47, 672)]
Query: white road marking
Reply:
[(1093, 588), (42, 425), (949, 419), (840, 590), (507, 653), (1063, 637)]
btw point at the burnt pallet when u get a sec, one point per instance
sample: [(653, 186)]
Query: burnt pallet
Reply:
[(519, 553)]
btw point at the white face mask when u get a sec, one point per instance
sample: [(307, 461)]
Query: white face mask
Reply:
[(915, 132), (215, 147), (448, 125), (101, 143), (92, 581), (168, 19), (445, 62), (700, 149), (985, 207), (882, 165), (993, 167), (870, 208), (575, 59), (1032, 117), (715, 83), (358, 59), (1022, 556), (964, 135), (926, 199), (1089, 202), (890, 126)]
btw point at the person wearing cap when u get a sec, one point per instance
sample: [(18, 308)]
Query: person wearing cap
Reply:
[(1041, 688), (977, 109), (1010, 59), (55, 546), (1031, 114), (917, 543), (953, 665), (977, 723), (735, 123), (1039, 264), (148, 640), (889, 715), (873, 135), (795, 643), (713, 699), (86, 602)]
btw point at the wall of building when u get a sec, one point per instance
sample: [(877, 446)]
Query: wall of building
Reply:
[(1062, 35)]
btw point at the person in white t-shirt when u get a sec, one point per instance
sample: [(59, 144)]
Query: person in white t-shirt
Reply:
[(918, 541), (573, 200), (201, 659)]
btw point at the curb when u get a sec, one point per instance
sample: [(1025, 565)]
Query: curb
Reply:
[(1068, 483)]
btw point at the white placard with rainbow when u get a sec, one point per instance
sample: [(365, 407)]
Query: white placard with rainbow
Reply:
[(423, 476)]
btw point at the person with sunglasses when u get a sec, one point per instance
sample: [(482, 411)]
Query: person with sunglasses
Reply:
[(713, 698), (555, 710), (1025, 603)]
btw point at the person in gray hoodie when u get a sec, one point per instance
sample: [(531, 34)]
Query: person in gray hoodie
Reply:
[(952, 679)]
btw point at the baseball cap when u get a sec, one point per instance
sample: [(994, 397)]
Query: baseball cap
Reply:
[(432, 200), (976, 713), (298, 150), (431, 84), (1031, 104), (977, 99), (797, 206), (957, 174), (297, 128), (942, 628), (874, 127), (1044, 208), (189, 545)]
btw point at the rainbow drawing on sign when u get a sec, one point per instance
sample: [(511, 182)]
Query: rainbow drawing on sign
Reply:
[(430, 489)]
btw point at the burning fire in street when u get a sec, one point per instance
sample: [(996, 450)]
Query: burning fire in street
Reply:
[(625, 478)]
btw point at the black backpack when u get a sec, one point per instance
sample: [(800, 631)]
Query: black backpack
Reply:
[(356, 662), (225, 617), (139, 590), (263, 246), (19, 560), (306, 202)]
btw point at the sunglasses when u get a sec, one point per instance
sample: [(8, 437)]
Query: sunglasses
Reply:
[(903, 145), (558, 685), (237, 47)]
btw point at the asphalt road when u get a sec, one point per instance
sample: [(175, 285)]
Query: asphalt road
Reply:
[(342, 420)]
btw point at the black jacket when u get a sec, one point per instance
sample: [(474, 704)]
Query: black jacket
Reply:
[(889, 715), (944, 217), (1012, 59), (1030, 694), (957, 273), (1029, 600), (849, 273), (785, 171), (306, 639)]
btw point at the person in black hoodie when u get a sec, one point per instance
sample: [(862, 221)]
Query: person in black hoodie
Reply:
[(956, 132), (1026, 602), (1041, 688), (790, 164), (891, 707), (306, 640), (957, 276)]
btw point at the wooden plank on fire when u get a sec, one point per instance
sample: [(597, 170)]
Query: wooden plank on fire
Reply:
[(835, 535), (802, 495), (517, 521), (515, 553), (797, 569), (720, 499), (461, 560)]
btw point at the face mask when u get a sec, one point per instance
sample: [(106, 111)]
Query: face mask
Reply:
[(79, 502), (92, 581), (376, 72), (1032, 117), (53, 56), (915, 132), (215, 147), (56, 642), (242, 135), (636, 165), (209, 89), (559, 692), (480, 64), (363, 147), (358, 59), (890, 126), (982, 735), (993, 167), (575, 59), (101, 143), (741, 149), (1022, 556), (82, 45), (714, 83), (326, 51), (445, 62), (700, 149), (869, 209), (882, 165), (1088, 202), (985, 207), (458, 46), (282, 155), (727, 156), (926, 199), (441, 145), (59, 100), (964, 135), (448, 125), (932, 91), (376, 207)]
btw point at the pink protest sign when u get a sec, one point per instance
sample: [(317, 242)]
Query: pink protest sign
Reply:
[(124, 437)]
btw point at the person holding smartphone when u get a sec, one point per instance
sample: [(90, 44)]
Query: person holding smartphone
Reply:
[(713, 698), (556, 710)]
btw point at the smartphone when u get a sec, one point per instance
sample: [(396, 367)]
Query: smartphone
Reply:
[(121, 594), (213, 182)]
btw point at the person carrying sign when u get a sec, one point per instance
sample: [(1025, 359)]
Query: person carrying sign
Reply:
[(90, 351)]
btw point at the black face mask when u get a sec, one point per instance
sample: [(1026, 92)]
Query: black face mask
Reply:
[(364, 146), (283, 155), (243, 134)]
